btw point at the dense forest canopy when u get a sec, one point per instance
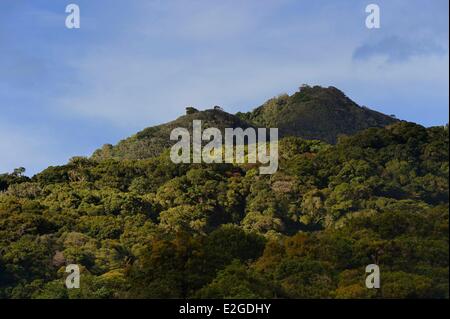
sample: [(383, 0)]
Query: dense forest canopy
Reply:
[(153, 229), (316, 112)]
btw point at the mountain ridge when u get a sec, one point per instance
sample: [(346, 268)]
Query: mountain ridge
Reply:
[(313, 113), (316, 113)]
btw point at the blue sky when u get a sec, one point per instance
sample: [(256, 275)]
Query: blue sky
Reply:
[(138, 63)]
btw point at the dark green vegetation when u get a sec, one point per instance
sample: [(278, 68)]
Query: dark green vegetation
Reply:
[(312, 113), (316, 113), (153, 229), (153, 140)]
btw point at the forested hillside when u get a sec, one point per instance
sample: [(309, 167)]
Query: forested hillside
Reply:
[(311, 113), (152, 141), (153, 229), (315, 112)]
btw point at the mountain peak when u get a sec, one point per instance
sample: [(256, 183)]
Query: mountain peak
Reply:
[(314, 112)]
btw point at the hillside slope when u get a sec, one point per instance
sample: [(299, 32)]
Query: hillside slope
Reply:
[(155, 229), (312, 113), (316, 113), (152, 141)]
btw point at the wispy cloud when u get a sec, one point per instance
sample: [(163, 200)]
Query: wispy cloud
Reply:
[(397, 49)]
